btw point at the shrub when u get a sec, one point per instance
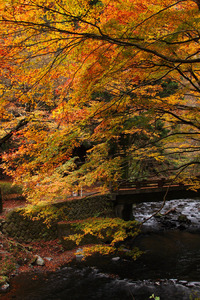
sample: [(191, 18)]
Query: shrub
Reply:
[(110, 231)]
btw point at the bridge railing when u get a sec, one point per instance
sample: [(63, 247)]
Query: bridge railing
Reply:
[(144, 184)]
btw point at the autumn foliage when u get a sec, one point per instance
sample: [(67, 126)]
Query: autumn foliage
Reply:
[(98, 92)]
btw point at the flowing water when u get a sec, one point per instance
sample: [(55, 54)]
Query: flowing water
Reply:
[(169, 267), (188, 207)]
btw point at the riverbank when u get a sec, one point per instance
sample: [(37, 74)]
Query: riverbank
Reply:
[(23, 248), (16, 258), (34, 257)]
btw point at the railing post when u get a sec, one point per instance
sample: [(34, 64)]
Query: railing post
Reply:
[(111, 187), (161, 182), (137, 184)]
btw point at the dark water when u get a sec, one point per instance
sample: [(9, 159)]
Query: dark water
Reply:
[(87, 284), (169, 268), (172, 254)]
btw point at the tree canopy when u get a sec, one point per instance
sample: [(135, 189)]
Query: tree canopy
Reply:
[(99, 92)]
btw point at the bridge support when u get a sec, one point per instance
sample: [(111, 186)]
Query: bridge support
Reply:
[(124, 211)]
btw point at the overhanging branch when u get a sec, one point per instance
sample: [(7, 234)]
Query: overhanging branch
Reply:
[(21, 123)]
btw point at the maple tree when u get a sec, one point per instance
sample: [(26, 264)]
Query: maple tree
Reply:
[(119, 78)]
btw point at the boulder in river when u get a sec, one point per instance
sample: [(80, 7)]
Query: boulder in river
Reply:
[(184, 219)]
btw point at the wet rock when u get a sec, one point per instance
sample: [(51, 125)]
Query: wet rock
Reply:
[(184, 219), (193, 284), (183, 282), (173, 280), (190, 285), (116, 258), (166, 221), (182, 227)]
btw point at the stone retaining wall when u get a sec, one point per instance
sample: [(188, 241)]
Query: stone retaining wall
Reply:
[(24, 229), (27, 229)]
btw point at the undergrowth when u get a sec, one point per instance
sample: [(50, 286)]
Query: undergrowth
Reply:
[(7, 188)]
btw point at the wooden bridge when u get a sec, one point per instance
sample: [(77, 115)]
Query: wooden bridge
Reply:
[(130, 193)]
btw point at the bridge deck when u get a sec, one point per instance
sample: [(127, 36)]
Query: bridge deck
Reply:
[(151, 190)]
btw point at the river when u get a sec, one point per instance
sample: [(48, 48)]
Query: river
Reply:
[(169, 267)]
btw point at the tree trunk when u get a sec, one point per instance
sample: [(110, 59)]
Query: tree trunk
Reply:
[(198, 3), (1, 203)]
